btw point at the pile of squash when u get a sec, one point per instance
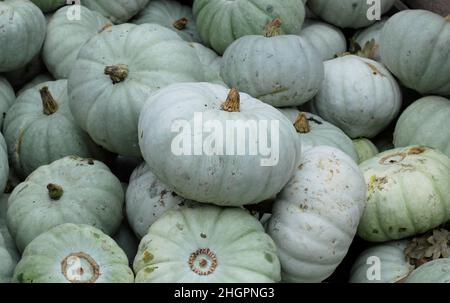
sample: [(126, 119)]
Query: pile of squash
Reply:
[(90, 97)]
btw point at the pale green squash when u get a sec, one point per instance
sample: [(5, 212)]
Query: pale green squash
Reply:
[(425, 122), (23, 31), (73, 253), (39, 129), (59, 52), (69, 190), (9, 255), (48, 6), (170, 14), (118, 11), (365, 149), (207, 244), (415, 46), (211, 63), (115, 73), (7, 98), (220, 22), (408, 193), (437, 271)]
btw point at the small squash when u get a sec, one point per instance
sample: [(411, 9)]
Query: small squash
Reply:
[(419, 123), (59, 52), (48, 6), (314, 131), (9, 255), (415, 46), (22, 27), (220, 22), (147, 199), (171, 14), (358, 95), (212, 168), (7, 98), (316, 215), (408, 193), (115, 73), (207, 244), (73, 253), (69, 190), (274, 68), (118, 11), (39, 129), (365, 149), (348, 13)]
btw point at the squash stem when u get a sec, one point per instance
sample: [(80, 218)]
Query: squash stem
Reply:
[(181, 23), (233, 102), (117, 73), (55, 191), (448, 18), (273, 28), (48, 102), (302, 124)]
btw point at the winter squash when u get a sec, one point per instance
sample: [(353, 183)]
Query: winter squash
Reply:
[(414, 46), (383, 263), (23, 28), (48, 6), (70, 190), (207, 244), (408, 193), (170, 14), (419, 122), (273, 68), (7, 98), (328, 39), (220, 22), (365, 149), (358, 95), (348, 13), (327, 193), (367, 41), (35, 81), (126, 240), (211, 63), (60, 53), (214, 168), (115, 73), (437, 271), (8, 251), (39, 129), (314, 131), (147, 199), (118, 11), (73, 253)]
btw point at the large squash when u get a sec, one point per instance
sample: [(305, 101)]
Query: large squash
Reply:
[(207, 244), (214, 145), (316, 215), (69, 190)]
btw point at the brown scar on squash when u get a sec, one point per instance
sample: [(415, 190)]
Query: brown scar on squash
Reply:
[(417, 150), (105, 27), (374, 69)]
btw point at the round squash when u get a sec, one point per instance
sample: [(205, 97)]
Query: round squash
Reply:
[(314, 131), (230, 170), (60, 52), (367, 41), (115, 73), (274, 68), (23, 31), (73, 253), (393, 264), (48, 6), (437, 271), (347, 13), (425, 122), (408, 193), (220, 22), (39, 129), (207, 244), (118, 11), (315, 217), (7, 98), (147, 199), (358, 95), (415, 46), (328, 39), (170, 14), (8, 252), (365, 149), (69, 190)]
